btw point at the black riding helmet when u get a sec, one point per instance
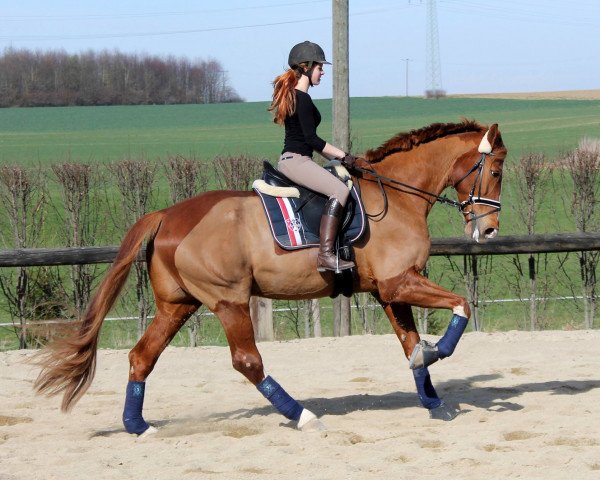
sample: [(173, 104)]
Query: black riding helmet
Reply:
[(306, 52)]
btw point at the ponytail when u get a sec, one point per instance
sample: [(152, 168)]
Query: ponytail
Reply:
[(284, 96)]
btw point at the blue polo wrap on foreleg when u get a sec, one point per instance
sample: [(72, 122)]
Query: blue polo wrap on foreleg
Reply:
[(280, 399), (448, 342), (427, 393), (132, 413)]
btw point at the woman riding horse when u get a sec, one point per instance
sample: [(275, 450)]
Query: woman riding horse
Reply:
[(293, 107)]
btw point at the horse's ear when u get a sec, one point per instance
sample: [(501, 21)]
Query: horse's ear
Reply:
[(493, 135), (488, 142)]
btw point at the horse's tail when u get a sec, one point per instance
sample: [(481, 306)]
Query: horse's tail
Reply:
[(68, 365)]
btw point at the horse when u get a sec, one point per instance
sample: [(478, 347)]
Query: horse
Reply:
[(216, 250)]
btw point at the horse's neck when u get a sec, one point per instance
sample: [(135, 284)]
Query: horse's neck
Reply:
[(426, 167)]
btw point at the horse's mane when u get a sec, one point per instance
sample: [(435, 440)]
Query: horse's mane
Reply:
[(406, 141)]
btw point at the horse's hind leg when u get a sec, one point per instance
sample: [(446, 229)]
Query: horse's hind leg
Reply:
[(403, 323), (169, 318), (246, 359)]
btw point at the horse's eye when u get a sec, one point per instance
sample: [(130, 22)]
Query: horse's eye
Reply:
[(495, 173)]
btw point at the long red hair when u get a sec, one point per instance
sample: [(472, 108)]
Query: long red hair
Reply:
[(284, 97)]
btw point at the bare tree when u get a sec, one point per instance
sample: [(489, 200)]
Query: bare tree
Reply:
[(531, 175), (108, 78), (341, 316), (583, 166), (311, 314), (135, 179), (187, 178), (237, 173), (23, 198), (82, 218), (365, 312)]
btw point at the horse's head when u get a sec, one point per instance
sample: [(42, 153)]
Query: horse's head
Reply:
[(477, 178)]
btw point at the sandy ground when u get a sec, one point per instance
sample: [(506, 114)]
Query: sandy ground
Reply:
[(530, 409), (559, 95)]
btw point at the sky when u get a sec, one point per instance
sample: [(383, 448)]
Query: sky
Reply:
[(485, 46)]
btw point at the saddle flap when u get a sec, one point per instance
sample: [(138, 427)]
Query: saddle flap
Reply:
[(294, 220)]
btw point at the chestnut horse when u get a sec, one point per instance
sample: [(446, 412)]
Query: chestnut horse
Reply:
[(216, 249)]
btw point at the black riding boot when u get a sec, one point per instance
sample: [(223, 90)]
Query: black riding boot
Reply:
[(330, 221)]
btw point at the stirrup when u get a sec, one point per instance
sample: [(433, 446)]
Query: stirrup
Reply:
[(339, 266), (424, 354)]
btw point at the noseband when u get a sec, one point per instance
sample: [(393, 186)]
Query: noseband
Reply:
[(461, 206), (477, 199)]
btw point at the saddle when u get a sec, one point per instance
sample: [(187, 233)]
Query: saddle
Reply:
[(294, 212)]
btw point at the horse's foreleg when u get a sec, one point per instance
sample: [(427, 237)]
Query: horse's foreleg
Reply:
[(168, 320), (403, 323), (414, 289), (247, 360)]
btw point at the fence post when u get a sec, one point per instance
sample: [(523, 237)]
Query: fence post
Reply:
[(261, 313)]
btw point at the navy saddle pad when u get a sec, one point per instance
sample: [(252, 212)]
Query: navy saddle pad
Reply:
[(295, 222)]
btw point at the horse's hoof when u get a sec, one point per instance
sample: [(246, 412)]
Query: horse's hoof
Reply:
[(309, 422), (149, 432), (313, 425), (423, 355), (443, 412)]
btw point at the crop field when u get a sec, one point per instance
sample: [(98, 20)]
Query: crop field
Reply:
[(42, 136), (104, 134)]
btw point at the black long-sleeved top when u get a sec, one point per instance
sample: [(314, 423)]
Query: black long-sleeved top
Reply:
[(301, 127)]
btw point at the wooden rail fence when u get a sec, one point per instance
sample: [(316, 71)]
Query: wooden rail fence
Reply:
[(503, 245)]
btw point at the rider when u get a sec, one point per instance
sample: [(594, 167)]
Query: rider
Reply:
[(293, 107)]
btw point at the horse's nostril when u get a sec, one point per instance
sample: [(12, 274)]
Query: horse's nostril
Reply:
[(490, 232)]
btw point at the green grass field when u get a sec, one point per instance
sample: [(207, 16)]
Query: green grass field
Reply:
[(101, 134), (42, 136)]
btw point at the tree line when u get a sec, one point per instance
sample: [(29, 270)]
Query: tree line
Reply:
[(57, 78)]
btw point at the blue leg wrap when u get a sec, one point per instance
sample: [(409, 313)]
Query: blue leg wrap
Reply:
[(132, 413), (448, 342), (427, 393), (280, 399)]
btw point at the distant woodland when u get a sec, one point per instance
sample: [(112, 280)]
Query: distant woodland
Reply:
[(56, 78)]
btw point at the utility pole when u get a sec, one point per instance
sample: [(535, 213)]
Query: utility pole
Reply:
[(341, 83), (341, 126)]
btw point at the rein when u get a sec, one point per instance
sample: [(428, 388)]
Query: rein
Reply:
[(461, 206)]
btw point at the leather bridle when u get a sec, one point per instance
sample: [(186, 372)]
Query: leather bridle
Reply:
[(431, 198)]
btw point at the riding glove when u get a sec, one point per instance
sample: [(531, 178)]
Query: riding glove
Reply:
[(348, 161)]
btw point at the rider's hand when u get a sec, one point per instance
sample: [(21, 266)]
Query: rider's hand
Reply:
[(348, 161)]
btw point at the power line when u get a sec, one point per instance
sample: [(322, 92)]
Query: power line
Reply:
[(156, 14), (524, 12), (92, 36), (155, 34)]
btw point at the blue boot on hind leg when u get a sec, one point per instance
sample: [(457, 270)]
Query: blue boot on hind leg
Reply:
[(132, 413), (425, 353)]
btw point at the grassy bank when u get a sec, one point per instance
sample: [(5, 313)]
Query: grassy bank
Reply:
[(102, 134)]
